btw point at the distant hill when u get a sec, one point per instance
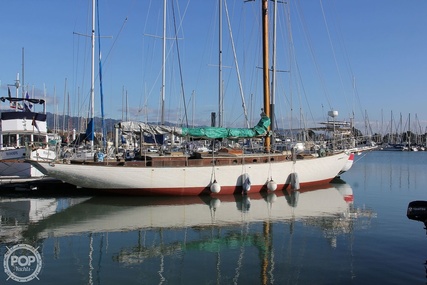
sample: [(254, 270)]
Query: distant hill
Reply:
[(76, 122)]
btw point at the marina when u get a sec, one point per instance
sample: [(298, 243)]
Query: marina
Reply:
[(270, 172), (355, 231)]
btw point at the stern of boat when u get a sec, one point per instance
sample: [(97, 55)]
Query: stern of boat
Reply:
[(40, 152)]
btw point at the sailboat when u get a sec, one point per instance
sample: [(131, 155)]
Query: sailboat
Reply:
[(83, 147), (230, 172)]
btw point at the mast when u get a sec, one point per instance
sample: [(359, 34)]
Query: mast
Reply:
[(44, 97), (17, 85), (55, 111), (400, 130), (127, 106), (123, 105), (266, 80), (104, 132), (23, 67), (220, 95), (273, 75), (163, 63), (408, 137), (92, 82), (391, 128), (63, 107)]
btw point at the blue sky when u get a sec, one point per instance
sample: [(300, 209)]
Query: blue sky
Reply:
[(363, 57)]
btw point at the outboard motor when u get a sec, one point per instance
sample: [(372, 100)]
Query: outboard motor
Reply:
[(417, 210)]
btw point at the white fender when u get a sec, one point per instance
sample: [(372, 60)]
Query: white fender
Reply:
[(271, 185), (215, 187)]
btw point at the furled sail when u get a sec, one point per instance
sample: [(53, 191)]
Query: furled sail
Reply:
[(200, 132)]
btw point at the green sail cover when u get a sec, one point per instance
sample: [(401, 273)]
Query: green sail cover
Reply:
[(216, 133)]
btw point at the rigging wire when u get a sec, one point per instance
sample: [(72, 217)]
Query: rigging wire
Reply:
[(346, 57), (312, 53), (332, 46), (179, 65), (237, 67)]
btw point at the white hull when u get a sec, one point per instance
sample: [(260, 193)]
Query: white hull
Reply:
[(195, 180), (349, 163), (13, 167), (10, 170), (12, 153)]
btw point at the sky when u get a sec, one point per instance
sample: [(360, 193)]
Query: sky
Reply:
[(365, 59)]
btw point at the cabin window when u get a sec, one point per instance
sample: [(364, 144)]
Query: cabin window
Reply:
[(24, 139), (40, 139), (9, 140)]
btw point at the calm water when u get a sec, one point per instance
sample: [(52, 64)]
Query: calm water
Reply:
[(353, 232)]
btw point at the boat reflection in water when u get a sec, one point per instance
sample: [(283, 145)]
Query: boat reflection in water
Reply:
[(18, 213), (184, 239), (116, 214)]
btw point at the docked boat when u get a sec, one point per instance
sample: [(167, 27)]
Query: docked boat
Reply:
[(226, 172), (23, 134), (182, 175)]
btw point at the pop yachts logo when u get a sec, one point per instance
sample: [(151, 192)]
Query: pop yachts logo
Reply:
[(22, 263)]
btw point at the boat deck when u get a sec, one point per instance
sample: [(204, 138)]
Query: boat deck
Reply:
[(181, 161)]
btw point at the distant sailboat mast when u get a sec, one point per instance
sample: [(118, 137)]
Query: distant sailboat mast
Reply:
[(163, 64), (104, 133), (90, 126), (92, 81), (220, 95), (17, 85), (23, 67)]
